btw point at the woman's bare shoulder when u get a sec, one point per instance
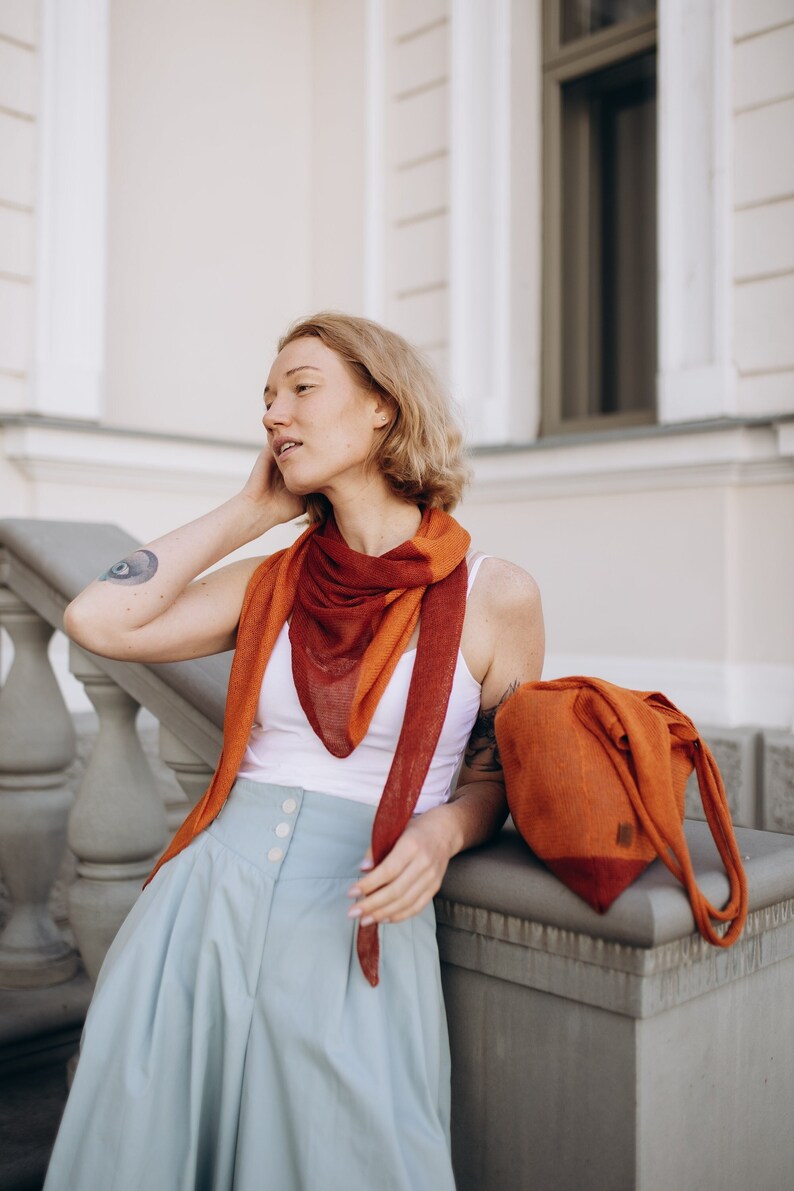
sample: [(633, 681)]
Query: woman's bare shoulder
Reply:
[(505, 588), (504, 622)]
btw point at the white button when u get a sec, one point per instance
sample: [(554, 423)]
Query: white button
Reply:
[(282, 829), (289, 805), (275, 854)]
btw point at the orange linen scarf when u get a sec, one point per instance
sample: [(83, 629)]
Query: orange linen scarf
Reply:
[(353, 616)]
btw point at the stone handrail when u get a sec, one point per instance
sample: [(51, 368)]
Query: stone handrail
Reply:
[(614, 1052), (46, 563)]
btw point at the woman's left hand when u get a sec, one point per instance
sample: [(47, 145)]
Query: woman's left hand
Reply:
[(409, 877), (508, 607)]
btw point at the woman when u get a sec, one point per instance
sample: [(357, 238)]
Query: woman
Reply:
[(270, 1013)]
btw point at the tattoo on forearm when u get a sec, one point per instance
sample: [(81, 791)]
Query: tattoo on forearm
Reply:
[(134, 569), (482, 751)]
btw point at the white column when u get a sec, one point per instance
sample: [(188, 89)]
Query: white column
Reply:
[(480, 216), (697, 377), (69, 356)]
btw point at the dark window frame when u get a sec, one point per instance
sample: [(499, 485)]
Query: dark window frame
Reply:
[(565, 63)]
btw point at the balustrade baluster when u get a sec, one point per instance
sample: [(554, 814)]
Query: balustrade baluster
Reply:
[(37, 744), (192, 773), (117, 826)]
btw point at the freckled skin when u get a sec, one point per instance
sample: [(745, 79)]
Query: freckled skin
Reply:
[(333, 419)]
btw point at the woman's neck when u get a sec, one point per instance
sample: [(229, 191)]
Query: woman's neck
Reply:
[(376, 526)]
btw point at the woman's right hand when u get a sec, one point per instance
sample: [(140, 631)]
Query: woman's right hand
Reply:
[(170, 614), (266, 491)]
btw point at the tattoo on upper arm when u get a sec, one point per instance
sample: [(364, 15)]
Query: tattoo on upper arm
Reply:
[(138, 567), (482, 751)]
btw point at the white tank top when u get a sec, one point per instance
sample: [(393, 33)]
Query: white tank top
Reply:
[(284, 749)]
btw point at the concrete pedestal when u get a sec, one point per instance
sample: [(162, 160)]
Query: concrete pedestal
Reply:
[(619, 1052)]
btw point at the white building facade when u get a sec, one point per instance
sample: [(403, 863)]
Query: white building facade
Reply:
[(179, 181)]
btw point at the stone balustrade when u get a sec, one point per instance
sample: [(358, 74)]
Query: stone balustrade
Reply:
[(37, 746), (590, 1053), (117, 824)]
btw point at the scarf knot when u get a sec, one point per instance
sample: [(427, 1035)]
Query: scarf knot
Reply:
[(353, 617)]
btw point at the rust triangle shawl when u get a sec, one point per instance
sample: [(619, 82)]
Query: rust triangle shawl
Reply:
[(352, 617)]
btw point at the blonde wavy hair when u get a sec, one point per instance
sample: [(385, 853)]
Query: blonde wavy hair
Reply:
[(421, 454)]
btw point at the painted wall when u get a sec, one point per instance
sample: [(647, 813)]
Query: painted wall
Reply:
[(685, 586), (339, 88), (210, 201)]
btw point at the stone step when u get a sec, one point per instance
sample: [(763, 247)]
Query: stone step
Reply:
[(39, 1032)]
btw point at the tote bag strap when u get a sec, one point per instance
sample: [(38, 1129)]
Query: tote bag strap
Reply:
[(668, 838)]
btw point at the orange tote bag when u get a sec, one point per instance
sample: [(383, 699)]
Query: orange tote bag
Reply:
[(595, 777)]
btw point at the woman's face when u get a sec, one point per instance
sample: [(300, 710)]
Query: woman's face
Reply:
[(320, 423)]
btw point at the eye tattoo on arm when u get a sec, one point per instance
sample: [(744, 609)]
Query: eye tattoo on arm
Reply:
[(482, 751), (136, 568)]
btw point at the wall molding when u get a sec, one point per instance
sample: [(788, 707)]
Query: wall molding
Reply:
[(720, 694), (103, 458), (61, 451), (734, 456)]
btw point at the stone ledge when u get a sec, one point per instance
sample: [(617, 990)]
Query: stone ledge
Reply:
[(635, 982), (504, 876), (503, 914)]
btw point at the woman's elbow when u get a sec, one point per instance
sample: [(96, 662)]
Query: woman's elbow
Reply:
[(85, 629), (71, 620), (76, 625)]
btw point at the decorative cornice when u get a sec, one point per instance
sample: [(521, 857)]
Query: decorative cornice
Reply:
[(87, 455), (720, 692), (732, 453), (634, 981), (728, 452)]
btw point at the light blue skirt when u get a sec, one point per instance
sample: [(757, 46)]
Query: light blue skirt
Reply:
[(233, 1042)]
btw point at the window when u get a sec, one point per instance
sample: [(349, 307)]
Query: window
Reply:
[(599, 214)]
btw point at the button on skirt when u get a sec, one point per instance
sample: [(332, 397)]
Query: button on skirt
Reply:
[(233, 1043)]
